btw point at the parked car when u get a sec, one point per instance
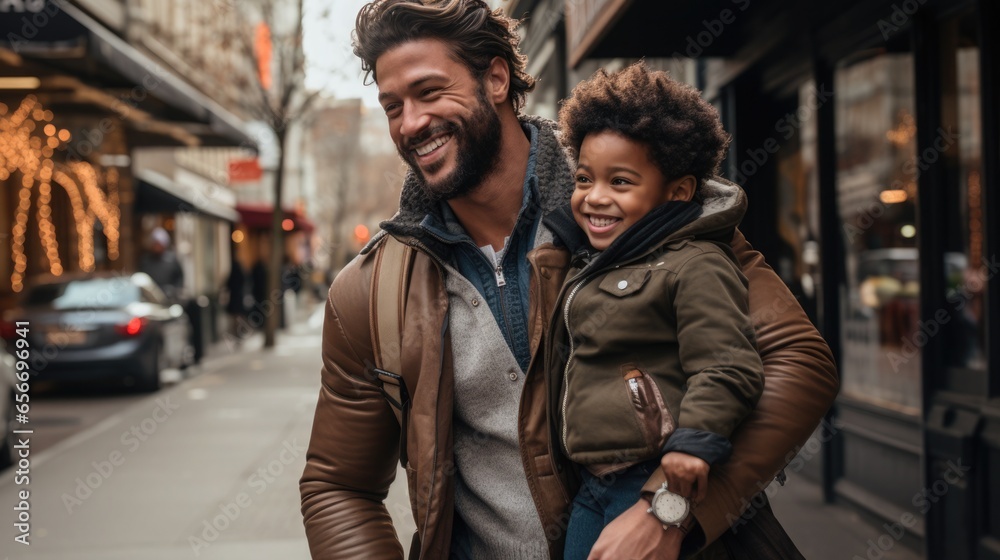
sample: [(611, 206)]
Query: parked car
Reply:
[(7, 380), (102, 327)]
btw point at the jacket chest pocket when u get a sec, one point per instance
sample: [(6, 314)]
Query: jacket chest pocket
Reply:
[(624, 282)]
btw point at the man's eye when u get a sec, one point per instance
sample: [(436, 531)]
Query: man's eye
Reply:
[(391, 107), (429, 91)]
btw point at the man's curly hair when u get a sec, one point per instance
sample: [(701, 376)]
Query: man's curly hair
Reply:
[(683, 131), (475, 33)]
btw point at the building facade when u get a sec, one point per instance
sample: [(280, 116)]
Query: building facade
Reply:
[(866, 135), (97, 98)]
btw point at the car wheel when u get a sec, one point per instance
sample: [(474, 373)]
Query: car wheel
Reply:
[(187, 356), (7, 443), (149, 380)]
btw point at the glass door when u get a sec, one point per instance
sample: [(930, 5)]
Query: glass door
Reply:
[(876, 185)]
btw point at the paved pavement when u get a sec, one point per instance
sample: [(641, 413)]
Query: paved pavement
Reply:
[(831, 531), (209, 468)]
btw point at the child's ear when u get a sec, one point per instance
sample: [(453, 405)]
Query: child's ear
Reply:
[(682, 189)]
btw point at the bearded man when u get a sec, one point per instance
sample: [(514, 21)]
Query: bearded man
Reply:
[(485, 476)]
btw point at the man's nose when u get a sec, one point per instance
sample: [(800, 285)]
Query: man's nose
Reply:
[(413, 122)]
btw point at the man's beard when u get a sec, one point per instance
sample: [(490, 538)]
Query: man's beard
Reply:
[(477, 149)]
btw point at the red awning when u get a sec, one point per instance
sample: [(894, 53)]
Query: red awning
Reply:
[(259, 216)]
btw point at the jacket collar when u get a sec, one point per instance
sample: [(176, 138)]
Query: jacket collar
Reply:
[(555, 186)]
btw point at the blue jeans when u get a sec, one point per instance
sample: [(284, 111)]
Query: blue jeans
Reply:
[(599, 502)]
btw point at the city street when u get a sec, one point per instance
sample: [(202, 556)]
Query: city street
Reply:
[(207, 468)]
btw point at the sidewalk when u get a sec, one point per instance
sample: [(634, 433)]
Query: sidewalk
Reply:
[(207, 468), (830, 531)]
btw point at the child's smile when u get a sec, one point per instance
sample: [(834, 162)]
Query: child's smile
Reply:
[(616, 185)]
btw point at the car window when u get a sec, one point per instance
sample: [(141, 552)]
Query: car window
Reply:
[(94, 293), (150, 295)]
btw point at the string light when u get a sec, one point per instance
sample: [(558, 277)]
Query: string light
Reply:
[(99, 204), (20, 227), (111, 182), (28, 141), (84, 224), (46, 229)]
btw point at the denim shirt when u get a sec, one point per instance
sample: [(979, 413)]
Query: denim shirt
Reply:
[(504, 288)]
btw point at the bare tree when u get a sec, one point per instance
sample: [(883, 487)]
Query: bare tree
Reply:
[(271, 35)]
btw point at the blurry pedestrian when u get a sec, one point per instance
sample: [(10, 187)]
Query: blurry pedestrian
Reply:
[(236, 291), (161, 264), (258, 285)]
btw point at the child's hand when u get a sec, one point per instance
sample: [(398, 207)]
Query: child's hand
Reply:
[(687, 475)]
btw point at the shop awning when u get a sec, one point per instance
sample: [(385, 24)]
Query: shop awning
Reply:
[(73, 35), (631, 29), (157, 193), (259, 216), (223, 128)]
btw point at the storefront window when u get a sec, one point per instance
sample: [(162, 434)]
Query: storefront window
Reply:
[(797, 263), (877, 199), (961, 142)]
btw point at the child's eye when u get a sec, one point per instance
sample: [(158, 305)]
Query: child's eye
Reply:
[(620, 181), (582, 179)]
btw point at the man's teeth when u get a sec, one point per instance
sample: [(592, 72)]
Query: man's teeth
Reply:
[(602, 222), (431, 146)]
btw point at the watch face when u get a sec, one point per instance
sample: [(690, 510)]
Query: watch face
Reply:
[(669, 507)]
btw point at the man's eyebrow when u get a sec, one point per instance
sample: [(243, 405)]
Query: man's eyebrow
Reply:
[(414, 84)]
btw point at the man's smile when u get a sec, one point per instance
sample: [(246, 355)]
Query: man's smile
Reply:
[(432, 145)]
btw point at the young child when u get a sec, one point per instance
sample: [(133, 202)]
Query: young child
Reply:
[(653, 361)]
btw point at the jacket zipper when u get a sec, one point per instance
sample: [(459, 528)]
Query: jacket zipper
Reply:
[(633, 386), (497, 273), (569, 360)]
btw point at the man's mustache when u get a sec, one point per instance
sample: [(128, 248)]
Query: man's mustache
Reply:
[(445, 128)]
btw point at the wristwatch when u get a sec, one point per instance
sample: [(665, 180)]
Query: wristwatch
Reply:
[(672, 510)]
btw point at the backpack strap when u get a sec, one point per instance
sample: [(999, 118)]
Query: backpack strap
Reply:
[(390, 280)]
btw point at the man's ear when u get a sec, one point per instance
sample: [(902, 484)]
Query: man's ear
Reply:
[(682, 189), (497, 80)]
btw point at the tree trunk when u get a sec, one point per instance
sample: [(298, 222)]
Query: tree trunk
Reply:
[(275, 293)]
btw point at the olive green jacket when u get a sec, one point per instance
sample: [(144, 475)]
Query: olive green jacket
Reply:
[(652, 347)]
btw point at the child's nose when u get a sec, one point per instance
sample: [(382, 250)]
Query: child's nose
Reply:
[(598, 195)]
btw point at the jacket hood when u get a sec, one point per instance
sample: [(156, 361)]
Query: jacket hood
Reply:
[(723, 205), (553, 167)]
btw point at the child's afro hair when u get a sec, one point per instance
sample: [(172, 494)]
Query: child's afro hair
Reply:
[(683, 131)]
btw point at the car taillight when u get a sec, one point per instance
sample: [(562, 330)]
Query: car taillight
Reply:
[(8, 330), (132, 328)]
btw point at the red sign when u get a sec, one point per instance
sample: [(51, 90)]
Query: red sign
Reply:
[(244, 170)]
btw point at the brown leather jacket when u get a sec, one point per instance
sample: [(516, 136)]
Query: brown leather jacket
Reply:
[(353, 450)]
